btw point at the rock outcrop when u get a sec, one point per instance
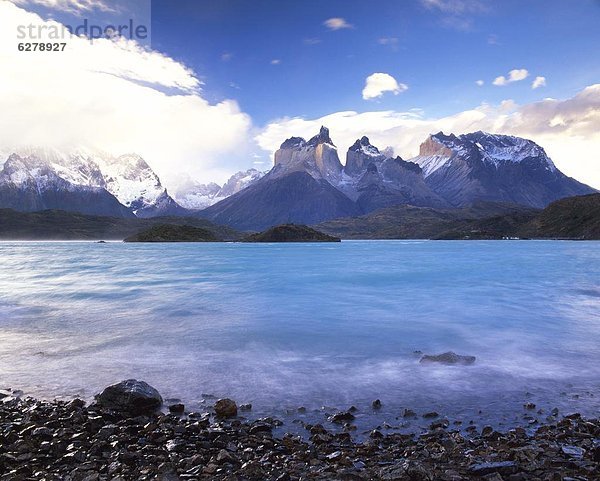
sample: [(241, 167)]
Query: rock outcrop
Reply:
[(317, 156), (173, 233), (291, 233), (131, 396)]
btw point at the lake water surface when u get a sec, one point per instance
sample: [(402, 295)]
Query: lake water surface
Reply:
[(314, 325)]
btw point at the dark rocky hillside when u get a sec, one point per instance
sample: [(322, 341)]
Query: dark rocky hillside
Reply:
[(410, 222), (173, 233), (61, 225), (295, 197), (291, 233)]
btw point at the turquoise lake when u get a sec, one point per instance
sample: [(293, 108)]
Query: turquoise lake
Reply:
[(323, 326)]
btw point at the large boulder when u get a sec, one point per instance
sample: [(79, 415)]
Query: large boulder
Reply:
[(226, 408), (447, 358), (132, 396)]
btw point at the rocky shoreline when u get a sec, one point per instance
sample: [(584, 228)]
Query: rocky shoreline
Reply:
[(122, 437)]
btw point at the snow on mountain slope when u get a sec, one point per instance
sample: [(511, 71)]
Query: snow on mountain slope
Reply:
[(439, 150), (28, 183), (481, 166), (496, 149), (131, 180), (127, 177), (193, 195)]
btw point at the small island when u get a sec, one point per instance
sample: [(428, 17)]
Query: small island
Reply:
[(291, 233), (173, 233)]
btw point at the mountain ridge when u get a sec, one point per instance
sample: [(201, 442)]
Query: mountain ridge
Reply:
[(450, 172), (307, 183)]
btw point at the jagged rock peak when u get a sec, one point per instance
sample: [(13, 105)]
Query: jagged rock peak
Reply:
[(292, 143), (443, 137), (321, 138), (364, 145)]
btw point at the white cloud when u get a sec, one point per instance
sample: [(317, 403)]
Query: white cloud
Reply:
[(518, 74), (479, 82), (568, 129), (515, 75), (337, 23), (275, 61), (70, 6), (117, 97), (312, 41), (226, 56), (538, 82), (500, 80), (378, 83)]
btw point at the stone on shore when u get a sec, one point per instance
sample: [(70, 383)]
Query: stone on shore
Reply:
[(132, 396), (226, 408), (449, 358)]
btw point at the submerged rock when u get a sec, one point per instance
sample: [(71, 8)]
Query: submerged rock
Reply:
[(447, 358), (132, 396)]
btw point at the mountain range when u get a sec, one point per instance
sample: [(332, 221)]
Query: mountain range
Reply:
[(97, 183), (308, 183)]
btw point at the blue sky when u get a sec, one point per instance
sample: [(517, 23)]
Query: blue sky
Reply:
[(224, 82), (439, 49)]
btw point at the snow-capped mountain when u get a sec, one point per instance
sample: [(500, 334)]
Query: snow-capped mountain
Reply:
[(308, 184), (36, 172), (28, 183), (193, 195), (482, 166)]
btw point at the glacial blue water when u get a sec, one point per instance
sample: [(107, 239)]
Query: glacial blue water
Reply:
[(317, 325)]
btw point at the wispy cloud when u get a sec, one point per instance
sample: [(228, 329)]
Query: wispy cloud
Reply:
[(226, 56), (457, 14), (389, 41), (515, 75), (493, 39), (275, 61), (456, 7), (379, 83), (337, 23), (312, 41), (70, 6), (479, 82), (538, 82)]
